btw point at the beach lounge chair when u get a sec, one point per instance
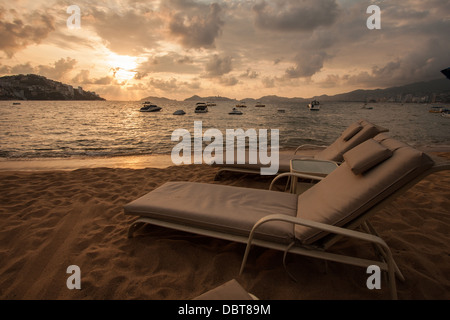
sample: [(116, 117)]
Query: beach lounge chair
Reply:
[(373, 174), (355, 134), (230, 290)]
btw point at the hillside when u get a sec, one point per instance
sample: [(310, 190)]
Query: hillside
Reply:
[(430, 91), (424, 92), (35, 87)]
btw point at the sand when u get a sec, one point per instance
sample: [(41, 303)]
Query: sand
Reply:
[(50, 220)]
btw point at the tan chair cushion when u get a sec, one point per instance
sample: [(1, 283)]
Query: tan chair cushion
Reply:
[(336, 150), (366, 155), (343, 196), (351, 131), (221, 208)]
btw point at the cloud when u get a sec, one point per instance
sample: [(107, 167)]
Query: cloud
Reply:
[(24, 68), (171, 62), (218, 66), (18, 32), (173, 85), (228, 81), (56, 71), (307, 64), (294, 15), (249, 73), (59, 68), (83, 77), (128, 31), (268, 82), (195, 25)]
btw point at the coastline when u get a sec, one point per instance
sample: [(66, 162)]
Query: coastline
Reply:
[(159, 161)]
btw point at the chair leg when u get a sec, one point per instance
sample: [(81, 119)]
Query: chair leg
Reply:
[(134, 226), (370, 229)]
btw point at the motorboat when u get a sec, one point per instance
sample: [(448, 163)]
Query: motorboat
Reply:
[(314, 105), (281, 111), (16, 103), (241, 105), (445, 114), (201, 107), (210, 104), (259, 105), (179, 113), (235, 111), (436, 109), (147, 106)]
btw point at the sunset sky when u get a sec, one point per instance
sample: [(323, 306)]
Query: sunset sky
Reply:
[(130, 49)]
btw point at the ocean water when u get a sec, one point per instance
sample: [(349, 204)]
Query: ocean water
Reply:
[(71, 129)]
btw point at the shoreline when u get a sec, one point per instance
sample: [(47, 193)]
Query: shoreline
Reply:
[(158, 161)]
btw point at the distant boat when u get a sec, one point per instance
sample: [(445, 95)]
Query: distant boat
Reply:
[(179, 113), (16, 103), (260, 105), (210, 104), (367, 107), (446, 114), (235, 111), (446, 72), (281, 111), (314, 105), (436, 109), (201, 107), (241, 105), (147, 106)]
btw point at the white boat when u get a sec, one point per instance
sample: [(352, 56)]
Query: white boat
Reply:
[(445, 114), (149, 107), (210, 104), (179, 113), (314, 105), (235, 111), (201, 107)]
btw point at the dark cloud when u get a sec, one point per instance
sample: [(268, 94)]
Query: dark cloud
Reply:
[(218, 66), (195, 25), (307, 64), (126, 32), (294, 15), (18, 32), (249, 73)]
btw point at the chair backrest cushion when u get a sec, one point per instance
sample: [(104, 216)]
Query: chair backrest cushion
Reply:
[(366, 156), (343, 195), (355, 134)]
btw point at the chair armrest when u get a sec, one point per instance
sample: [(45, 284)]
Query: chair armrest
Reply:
[(298, 175), (321, 226), (309, 146)]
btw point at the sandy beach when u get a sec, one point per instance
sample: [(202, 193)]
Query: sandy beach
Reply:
[(50, 220)]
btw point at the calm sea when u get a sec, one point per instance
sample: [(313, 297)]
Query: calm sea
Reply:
[(70, 129)]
